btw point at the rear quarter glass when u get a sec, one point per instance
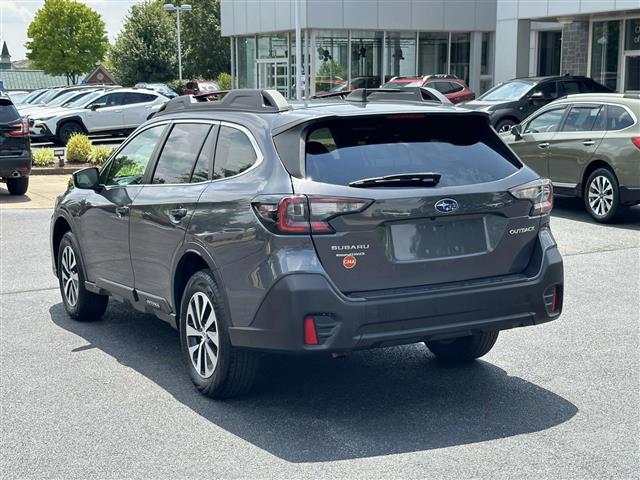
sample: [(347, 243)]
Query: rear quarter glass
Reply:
[(463, 149), (8, 112)]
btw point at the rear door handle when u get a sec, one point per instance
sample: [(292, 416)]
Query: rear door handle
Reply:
[(588, 143), (543, 145), (177, 214), (122, 212)]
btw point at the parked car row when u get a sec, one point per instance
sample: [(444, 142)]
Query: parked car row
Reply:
[(58, 114)]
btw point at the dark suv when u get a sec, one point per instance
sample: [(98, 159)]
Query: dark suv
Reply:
[(252, 225), (509, 103), (15, 148)]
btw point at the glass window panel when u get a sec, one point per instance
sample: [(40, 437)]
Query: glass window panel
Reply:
[(366, 57), (434, 48), (401, 54), (460, 55), (604, 53), (246, 62), (332, 56), (546, 122), (179, 154), (581, 118), (234, 153), (486, 62), (632, 74), (273, 46), (205, 160), (549, 48), (632, 34)]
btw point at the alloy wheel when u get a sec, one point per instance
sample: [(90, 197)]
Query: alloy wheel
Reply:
[(505, 128), (69, 270), (600, 195), (202, 334)]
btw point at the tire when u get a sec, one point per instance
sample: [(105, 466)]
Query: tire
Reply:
[(18, 186), (602, 196), (217, 369), (504, 125), (79, 303), (67, 130), (463, 349)]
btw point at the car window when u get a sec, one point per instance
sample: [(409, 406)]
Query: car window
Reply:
[(234, 153), (569, 87), (129, 165), (205, 159), (180, 152), (463, 150), (454, 87), (8, 112), (548, 90), (131, 98), (442, 87), (581, 118), (618, 118), (546, 122), (191, 85), (507, 91), (108, 100)]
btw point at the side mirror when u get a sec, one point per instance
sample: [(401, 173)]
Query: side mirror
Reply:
[(87, 178), (94, 107), (538, 98), (516, 131)]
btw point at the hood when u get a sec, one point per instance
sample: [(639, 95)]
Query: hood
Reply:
[(482, 104)]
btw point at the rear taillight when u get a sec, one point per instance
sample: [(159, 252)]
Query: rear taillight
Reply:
[(539, 193), (301, 214), (20, 129), (636, 141)]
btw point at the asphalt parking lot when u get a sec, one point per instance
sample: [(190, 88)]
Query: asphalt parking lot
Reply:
[(111, 399)]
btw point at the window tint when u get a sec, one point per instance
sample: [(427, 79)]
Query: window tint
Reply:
[(128, 166), (8, 112), (110, 100), (205, 159), (569, 87), (442, 87), (548, 90), (234, 153), (581, 118), (463, 150), (618, 118), (546, 122), (601, 120), (131, 98), (180, 152), (455, 87)]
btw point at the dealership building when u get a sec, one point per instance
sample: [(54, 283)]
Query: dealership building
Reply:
[(365, 42)]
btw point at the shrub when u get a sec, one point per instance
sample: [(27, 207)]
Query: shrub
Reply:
[(79, 148), (100, 154), (225, 81), (177, 86), (43, 157)]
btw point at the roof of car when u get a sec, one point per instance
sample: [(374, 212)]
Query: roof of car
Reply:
[(552, 77), (623, 98)]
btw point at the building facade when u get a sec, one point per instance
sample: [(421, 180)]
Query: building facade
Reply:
[(366, 42), (358, 42)]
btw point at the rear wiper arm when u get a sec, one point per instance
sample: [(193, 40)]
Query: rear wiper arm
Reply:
[(426, 179)]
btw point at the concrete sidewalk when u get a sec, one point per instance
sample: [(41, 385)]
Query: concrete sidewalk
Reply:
[(42, 192)]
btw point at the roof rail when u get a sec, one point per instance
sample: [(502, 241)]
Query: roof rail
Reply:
[(242, 100), (418, 94)]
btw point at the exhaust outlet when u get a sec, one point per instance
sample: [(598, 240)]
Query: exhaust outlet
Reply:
[(15, 174)]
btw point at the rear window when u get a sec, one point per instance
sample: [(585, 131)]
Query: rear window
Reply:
[(8, 112), (462, 149)]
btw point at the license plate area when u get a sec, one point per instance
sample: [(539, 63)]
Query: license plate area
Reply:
[(428, 239)]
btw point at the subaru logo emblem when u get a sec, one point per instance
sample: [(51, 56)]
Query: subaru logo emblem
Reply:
[(446, 205)]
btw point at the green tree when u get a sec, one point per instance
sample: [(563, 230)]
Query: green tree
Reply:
[(145, 49), (205, 51), (66, 38)]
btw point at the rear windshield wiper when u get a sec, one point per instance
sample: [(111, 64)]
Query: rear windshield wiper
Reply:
[(427, 179)]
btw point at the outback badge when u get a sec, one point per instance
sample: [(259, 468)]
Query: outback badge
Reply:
[(446, 205)]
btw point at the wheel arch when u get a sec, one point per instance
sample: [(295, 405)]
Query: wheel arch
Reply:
[(60, 227), (507, 116), (76, 119), (592, 167), (192, 259)]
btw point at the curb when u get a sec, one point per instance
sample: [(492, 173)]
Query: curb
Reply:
[(55, 170)]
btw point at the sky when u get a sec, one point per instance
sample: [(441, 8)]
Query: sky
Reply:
[(15, 16)]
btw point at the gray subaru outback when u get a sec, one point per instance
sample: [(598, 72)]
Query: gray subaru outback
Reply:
[(252, 225)]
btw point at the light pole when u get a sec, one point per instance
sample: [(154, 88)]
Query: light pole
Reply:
[(170, 7)]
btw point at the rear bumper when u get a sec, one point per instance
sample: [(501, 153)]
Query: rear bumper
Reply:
[(346, 323), (12, 164), (629, 196)]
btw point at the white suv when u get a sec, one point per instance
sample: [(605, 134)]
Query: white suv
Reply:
[(113, 111)]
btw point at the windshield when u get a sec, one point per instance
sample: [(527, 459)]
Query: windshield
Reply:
[(507, 91), (339, 87), (83, 100), (61, 99), (33, 96), (463, 150), (75, 97), (47, 96)]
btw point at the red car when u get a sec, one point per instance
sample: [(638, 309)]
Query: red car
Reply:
[(449, 85), (196, 87)]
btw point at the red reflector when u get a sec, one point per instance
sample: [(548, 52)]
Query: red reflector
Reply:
[(636, 141), (554, 303), (310, 335)]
